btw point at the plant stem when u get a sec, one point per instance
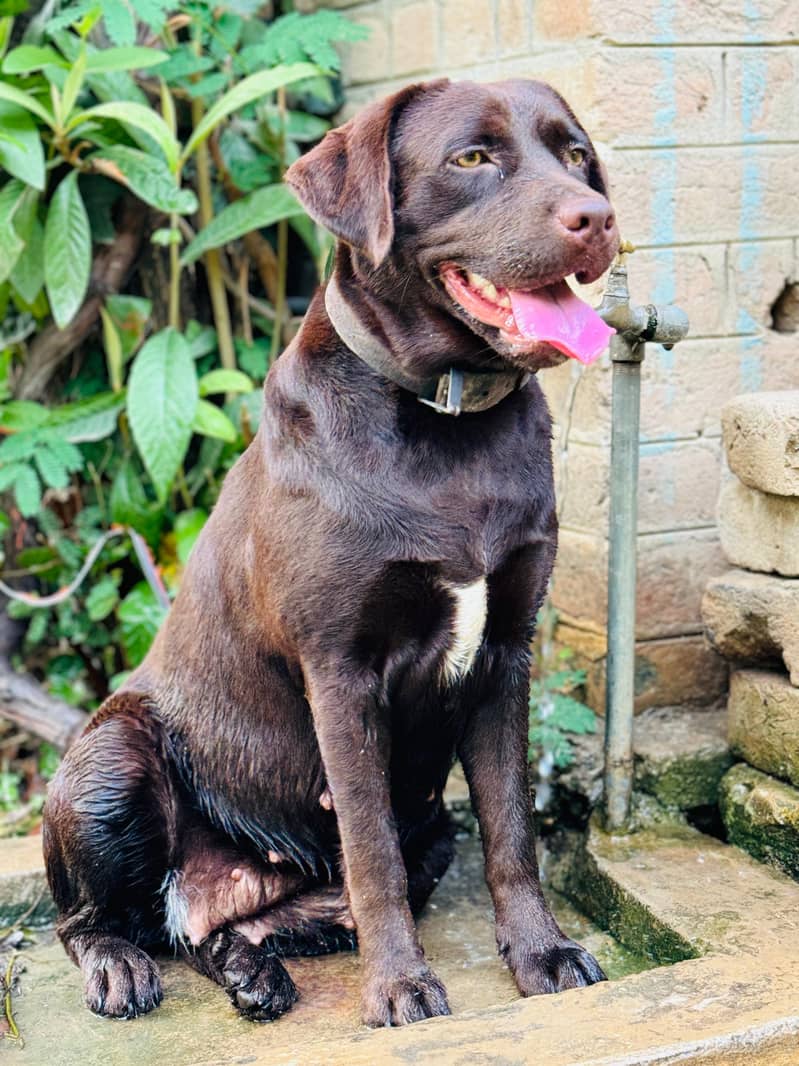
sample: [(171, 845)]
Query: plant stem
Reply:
[(174, 277), (213, 267), (282, 240)]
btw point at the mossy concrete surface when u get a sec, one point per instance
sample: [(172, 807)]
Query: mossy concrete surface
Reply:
[(735, 1005), (681, 755), (761, 816)]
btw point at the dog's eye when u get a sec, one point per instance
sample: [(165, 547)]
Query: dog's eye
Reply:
[(469, 160), (576, 156)]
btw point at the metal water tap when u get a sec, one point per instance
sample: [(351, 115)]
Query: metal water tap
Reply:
[(634, 327), (637, 325)]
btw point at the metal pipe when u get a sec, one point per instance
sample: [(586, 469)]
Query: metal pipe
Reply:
[(634, 326)]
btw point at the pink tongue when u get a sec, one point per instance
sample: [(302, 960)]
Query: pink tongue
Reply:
[(558, 317)]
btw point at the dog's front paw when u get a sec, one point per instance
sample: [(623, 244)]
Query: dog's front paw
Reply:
[(122, 981), (404, 997), (554, 969)]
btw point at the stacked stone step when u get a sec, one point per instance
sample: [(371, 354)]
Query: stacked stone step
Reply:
[(752, 617)]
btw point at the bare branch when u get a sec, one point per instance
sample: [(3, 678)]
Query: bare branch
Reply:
[(24, 702)]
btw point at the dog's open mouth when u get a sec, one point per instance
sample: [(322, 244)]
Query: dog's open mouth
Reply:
[(552, 314)]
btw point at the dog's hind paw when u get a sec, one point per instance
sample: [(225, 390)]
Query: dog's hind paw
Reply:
[(122, 981), (404, 998), (258, 984), (566, 965)]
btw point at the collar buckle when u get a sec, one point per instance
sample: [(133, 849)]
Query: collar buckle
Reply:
[(449, 393)]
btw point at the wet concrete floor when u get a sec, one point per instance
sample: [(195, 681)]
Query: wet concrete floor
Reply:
[(196, 1026)]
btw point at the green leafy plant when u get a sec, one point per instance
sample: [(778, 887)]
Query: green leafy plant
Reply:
[(556, 715), (156, 134)]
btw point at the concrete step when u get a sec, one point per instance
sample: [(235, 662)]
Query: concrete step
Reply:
[(761, 438), (763, 722), (754, 617), (761, 816)]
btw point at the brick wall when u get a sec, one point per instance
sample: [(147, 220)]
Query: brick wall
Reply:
[(694, 105)]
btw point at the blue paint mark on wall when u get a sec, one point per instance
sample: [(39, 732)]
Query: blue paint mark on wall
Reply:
[(754, 79)]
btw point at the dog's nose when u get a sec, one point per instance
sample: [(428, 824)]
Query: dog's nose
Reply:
[(586, 219)]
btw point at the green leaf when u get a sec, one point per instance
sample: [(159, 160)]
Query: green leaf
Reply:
[(68, 251), (571, 716), (22, 157), (131, 57), (113, 350), (26, 101), (130, 315), (162, 401), (218, 381), (188, 526), (103, 598), (140, 616), (145, 176), (140, 118), (21, 414), (251, 88), (27, 490), (261, 208), (12, 199), (28, 57), (87, 420), (74, 83), (210, 421), (130, 505), (164, 237), (120, 22), (27, 275), (53, 472), (201, 339)]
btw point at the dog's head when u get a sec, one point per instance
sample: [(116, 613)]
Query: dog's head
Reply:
[(493, 193)]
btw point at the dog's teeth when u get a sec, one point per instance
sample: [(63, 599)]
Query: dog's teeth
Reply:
[(504, 300), (490, 291)]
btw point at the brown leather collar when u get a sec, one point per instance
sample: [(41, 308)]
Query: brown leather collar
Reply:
[(449, 393)]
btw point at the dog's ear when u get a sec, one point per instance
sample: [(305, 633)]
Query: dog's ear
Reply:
[(345, 181)]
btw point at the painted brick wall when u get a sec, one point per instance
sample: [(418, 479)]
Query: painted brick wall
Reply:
[(694, 105)]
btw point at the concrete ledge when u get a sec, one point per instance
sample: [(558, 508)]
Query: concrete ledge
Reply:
[(23, 886), (735, 1004)]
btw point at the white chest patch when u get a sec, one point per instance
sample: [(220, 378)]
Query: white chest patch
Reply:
[(468, 624)]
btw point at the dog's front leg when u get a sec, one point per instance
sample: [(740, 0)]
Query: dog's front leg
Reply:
[(494, 757), (399, 986)]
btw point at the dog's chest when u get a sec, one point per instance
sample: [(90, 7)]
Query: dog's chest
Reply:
[(469, 612)]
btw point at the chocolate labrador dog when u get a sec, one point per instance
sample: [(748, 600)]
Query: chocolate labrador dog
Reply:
[(359, 608)]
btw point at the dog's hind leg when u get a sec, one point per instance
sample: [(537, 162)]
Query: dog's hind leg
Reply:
[(108, 821), (427, 855)]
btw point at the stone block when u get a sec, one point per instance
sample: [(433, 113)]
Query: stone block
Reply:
[(413, 38), (754, 617), (681, 755), (756, 275), (467, 32), (756, 99), (513, 27), (646, 96), (759, 531), (683, 391), (761, 816), (691, 194), (761, 439), (368, 60), (673, 569), (677, 671), (763, 722)]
